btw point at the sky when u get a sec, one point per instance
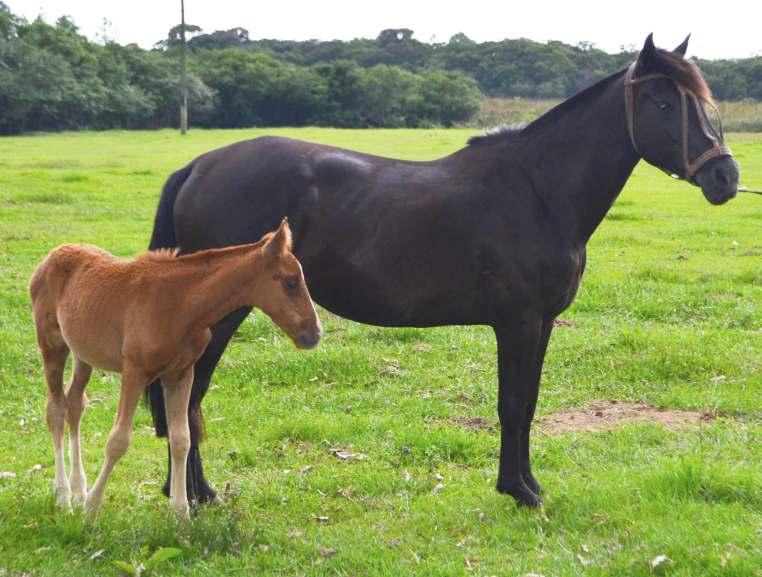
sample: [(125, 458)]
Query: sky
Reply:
[(726, 29)]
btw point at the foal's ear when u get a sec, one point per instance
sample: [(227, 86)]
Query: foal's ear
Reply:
[(647, 54), (683, 47), (280, 242)]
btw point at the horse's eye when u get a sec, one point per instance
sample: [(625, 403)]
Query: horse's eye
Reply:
[(291, 283), (661, 105)]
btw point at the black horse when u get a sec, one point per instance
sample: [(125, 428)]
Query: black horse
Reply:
[(493, 234)]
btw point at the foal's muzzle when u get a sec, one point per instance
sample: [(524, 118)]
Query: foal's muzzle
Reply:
[(309, 339)]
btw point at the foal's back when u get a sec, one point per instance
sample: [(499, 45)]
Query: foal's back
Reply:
[(79, 295)]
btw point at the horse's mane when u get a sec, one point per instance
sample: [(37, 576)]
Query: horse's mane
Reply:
[(683, 71), (497, 134)]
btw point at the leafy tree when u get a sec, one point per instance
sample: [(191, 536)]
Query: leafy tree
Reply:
[(445, 98), (384, 95), (53, 78)]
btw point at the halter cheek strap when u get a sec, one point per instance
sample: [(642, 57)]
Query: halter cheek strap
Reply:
[(689, 168)]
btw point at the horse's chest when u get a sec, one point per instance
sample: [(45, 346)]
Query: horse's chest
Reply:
[(546, 279)]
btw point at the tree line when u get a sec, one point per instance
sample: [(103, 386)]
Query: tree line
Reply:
[(54, 78)]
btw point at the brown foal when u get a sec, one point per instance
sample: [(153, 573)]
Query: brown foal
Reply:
[(150, 318)]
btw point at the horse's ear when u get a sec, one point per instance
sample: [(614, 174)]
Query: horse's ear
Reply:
[(280, 242), (683, 47), (647, 54)]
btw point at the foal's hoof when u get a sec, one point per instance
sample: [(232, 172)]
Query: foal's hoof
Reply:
[(182, 512), (518, 490), (205, 493), (91, 508), (63, 498), (78, 499)]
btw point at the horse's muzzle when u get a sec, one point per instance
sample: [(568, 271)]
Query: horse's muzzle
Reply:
[(718, 179)]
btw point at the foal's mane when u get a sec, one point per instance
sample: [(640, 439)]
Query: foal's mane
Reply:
[(159, 255), (173, 254), (683, 71)]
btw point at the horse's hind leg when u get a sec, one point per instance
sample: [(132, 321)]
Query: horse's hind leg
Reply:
[(176, 395), (133, 383), (75, 406), (54, 353)]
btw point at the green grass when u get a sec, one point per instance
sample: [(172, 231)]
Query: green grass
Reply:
[(669, 313)]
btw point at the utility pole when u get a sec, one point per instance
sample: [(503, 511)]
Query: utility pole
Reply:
[(183, 73)]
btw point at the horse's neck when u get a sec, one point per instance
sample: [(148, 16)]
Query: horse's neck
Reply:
[(586, 157), (221, 284)]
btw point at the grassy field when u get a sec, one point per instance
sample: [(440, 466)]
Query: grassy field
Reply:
[(669, 313)]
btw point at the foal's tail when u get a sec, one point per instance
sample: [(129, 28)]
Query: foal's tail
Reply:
[(164, 237)]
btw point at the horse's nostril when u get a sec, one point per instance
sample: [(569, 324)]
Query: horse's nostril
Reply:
[(720, 176)]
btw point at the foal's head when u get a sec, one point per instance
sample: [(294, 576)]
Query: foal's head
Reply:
[(674, 123), (282, 292)]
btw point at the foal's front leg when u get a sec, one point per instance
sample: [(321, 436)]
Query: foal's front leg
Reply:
[(133, 384), (177, 389), (518, 341)]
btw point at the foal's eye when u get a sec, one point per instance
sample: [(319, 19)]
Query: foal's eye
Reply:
[(661, 105), (292, 283)]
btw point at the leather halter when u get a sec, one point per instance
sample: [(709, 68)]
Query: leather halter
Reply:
[(690, 168)]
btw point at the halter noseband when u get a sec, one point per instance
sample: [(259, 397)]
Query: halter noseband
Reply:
[(690, 168)]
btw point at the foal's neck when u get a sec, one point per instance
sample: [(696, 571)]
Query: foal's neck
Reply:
[(221, 281), (585, 155)]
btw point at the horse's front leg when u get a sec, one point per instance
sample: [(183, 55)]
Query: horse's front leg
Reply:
[(518, 344), (534, 389)]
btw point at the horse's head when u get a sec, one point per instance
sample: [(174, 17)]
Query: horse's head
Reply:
[(282, 292), (674, 124)]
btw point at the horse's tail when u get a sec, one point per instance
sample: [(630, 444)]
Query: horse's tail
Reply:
[(164, 237)]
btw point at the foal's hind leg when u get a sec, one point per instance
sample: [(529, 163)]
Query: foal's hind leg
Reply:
[(75, 406), (54, 356), (176, 395), (133, 383)]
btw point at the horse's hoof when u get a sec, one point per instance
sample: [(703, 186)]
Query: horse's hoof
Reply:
[(518, 490), (532, 484), (207, 495)]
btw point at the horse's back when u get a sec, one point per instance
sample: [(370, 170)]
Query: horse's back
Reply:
[(236, 193)]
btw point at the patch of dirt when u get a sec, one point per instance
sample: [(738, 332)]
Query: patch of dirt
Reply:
[(609, 414), (476, 423)]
